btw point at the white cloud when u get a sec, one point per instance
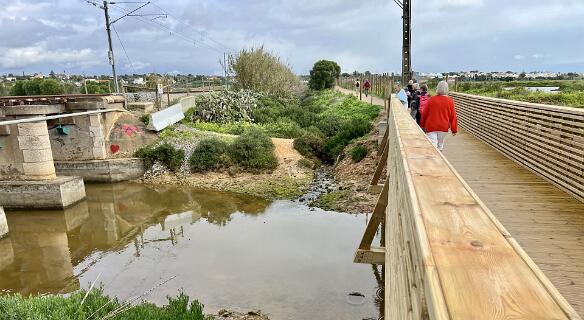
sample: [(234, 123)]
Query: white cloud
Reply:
[(518, 57), (138, 65), (39, 54), (537, 56)]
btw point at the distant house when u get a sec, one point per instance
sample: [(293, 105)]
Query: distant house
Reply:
[(10, 79), (138, 81)]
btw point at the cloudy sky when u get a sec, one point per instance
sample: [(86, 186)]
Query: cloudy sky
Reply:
[(448, 35)]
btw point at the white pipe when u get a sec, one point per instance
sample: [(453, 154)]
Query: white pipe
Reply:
[(67, 115)]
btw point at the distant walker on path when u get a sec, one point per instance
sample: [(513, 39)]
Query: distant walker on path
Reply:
[(367, 86), (439, 116)]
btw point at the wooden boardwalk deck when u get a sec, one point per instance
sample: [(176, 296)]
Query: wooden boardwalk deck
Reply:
[(547, 223)]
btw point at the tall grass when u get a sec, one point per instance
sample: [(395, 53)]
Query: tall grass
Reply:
[(262, 71), (96, 305)]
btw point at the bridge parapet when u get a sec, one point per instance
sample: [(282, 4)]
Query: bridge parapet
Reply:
[(547, 140), (447, 256)]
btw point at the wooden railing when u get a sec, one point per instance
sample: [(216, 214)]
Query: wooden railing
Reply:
[(548, 140), (446, 255)]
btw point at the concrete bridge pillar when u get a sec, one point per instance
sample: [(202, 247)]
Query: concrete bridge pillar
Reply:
[(34, 148), (3, 224), (27, 170)]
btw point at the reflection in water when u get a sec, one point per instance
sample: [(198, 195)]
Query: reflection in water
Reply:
[(228, 250)]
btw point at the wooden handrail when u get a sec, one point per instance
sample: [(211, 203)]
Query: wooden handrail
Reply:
[(447, 256)]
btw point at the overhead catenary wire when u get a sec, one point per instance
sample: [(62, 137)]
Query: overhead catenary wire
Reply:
[(202, 34), (124, 49), (189, 39)]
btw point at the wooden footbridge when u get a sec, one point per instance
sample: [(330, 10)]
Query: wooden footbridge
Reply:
[(493, 228)]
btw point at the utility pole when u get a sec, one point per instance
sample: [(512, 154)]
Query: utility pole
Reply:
[(110, 53), (407, 41), (225, 69)]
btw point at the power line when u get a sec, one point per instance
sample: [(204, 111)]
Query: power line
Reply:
[(124, 49), (194, 29), (171, 31)]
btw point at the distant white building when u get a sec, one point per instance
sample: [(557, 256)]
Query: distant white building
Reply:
[(138, 81), (10, 79)]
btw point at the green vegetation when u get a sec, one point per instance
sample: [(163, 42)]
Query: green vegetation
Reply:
[(323, 75), (322, 123), (310, 145), (165, 153), (35, 87), (224, 107), (254, 150), (211, 153), (96, 87), (331, 201), (145, 118), (571, 91), (97, 306), (262, 71), (358, 152)]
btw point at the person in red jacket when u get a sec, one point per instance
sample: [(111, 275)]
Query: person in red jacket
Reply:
[(439, 116)]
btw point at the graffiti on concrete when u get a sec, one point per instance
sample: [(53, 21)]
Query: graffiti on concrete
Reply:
[(114, 148), (130, 130)]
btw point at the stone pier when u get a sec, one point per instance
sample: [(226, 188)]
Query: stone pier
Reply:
[(27, 171), (3, 224)]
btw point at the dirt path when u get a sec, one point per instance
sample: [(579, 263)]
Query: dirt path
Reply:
[(287, 181)]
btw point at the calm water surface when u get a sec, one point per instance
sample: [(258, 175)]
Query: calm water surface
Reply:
[(226, 250)]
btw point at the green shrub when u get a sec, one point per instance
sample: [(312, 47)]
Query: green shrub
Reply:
[(306, 163), (254, 150), (330, 124), (165, 153), (210, 154), (350, 130), (97, 306), (145, 118), (224, 107), (358, 152), (310, 145), (283, 128)]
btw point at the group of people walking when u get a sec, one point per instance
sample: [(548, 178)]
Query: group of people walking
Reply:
[(366, 86), (434, 114)]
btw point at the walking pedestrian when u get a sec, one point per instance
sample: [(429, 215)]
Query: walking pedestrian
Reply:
[(421, 102), (412, 108), (439, 116), (409, 91), (366, 86), (357, 84), (401, 95)]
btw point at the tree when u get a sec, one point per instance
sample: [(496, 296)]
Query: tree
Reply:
[(18, 88), (323, 74), (51, 87)]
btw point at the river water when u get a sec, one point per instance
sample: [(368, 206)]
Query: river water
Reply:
[(226, 250)]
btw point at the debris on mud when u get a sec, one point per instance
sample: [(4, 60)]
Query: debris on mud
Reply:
[(232, 315)]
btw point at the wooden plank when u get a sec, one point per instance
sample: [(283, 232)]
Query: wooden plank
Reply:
[(375, 255), (376, 218), (478, 273), (547, 140), (380, 166)]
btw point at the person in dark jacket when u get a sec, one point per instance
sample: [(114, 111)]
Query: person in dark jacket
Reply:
[(420, 99)]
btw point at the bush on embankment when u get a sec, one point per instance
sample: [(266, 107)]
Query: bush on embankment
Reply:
[(96, 306), (164, 153), (254, 150), (210, 154)]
